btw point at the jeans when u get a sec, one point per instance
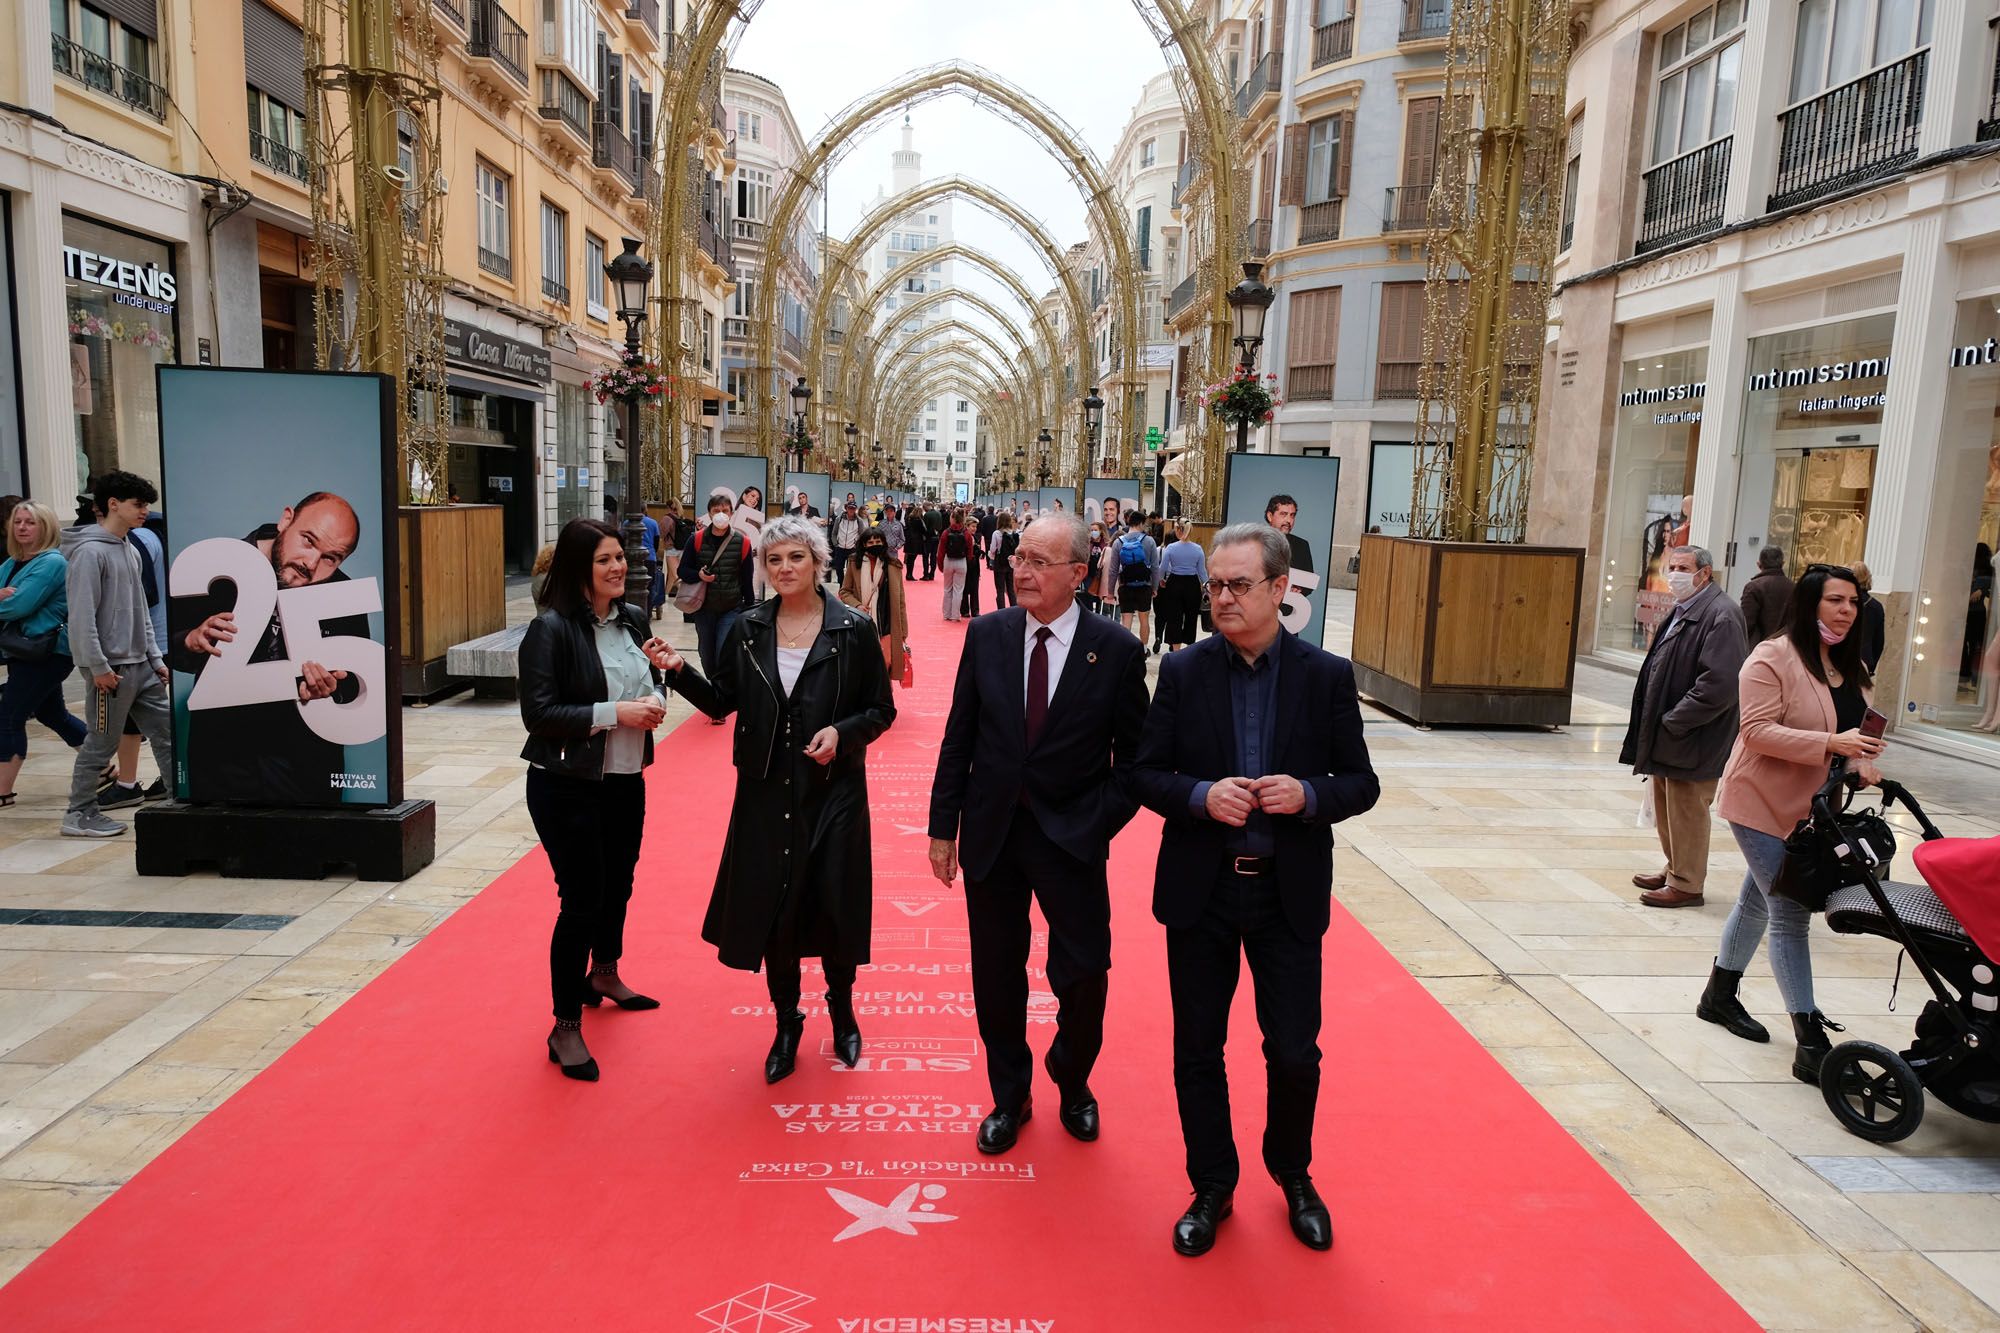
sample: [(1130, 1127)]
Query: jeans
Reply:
[(34, 689), (841, 554), (711, 631), (1791, 946), (591, 829), (1003, 586), (954, 588), (141, 696)]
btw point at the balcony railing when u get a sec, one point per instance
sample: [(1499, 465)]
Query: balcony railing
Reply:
[(795, 346), (555, 291), (1257, 244), (1424, 20), (565, 102), (1264, 78), (1320, 222), (1309, 384), (1860, 129), (1684, 197), (281, 158), (1333, 41), (499, 265), (644, 186), (1182, 296), (1397, 379), (610, 148), (747, 229), (451, 10), (645, 13), (95, 71), (493, 35), (1406, 208), (715, 244), (1184, 178)]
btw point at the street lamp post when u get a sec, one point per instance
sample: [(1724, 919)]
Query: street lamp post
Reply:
[(1042, 470), (631, 274), (1093, 421), (795, 452), (853, 432), (1251, 300)]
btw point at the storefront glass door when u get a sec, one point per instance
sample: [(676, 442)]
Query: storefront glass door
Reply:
[(1819, 505)]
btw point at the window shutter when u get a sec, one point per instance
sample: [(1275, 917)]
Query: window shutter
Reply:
[(1268, 182), (1420, 136), (1346, 164), (1293, 189), (274, 55), (140, 16), (1315, 325), (1278, 38)]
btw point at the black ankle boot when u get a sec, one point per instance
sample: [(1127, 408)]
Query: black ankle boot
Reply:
[(1811, 1030), (1720, 1005), (785, 1049), (846, 1032)]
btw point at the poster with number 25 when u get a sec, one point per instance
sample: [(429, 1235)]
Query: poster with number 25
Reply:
[(276, 490)]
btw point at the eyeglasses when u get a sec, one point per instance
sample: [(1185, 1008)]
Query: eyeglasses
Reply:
[(1237, 588), (1035, 564)]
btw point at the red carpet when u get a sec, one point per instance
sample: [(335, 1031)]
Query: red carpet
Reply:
[(416, 1163)]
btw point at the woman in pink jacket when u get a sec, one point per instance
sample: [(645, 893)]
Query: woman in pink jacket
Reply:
[(1803, 695)]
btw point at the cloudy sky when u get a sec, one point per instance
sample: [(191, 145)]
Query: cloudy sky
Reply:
[(1087, 60)]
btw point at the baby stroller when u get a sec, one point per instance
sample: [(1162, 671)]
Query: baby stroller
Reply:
[(1950, 927)]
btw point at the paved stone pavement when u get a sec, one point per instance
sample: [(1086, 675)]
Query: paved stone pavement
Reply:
[(1496, 868)]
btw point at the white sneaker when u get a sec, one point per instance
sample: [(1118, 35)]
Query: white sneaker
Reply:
[(92, 825)]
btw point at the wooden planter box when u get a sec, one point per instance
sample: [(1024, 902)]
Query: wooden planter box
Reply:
[(1466, 632), (454, 586)]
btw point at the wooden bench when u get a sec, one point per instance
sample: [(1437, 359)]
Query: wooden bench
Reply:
[(489, 662)]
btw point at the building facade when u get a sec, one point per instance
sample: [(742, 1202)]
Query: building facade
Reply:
[(1776, 309)]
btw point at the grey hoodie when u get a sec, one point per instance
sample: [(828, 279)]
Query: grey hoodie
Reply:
[(109, 625)]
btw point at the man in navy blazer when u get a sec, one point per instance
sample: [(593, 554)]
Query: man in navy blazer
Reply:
[(1252, 751), (1032, 783)]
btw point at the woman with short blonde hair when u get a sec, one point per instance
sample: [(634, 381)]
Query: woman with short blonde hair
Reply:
[(34, 603)]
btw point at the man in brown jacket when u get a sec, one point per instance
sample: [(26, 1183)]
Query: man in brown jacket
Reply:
[(1767, 598), (1684, 722)]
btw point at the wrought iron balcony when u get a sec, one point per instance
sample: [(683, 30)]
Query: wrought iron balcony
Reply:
[(649, 177), (1265, 80), (1257, 243), (644, 16), (1398, 379), (1406, 208), (747, 229), (1858, 130), (92, 70), (1684, 197), (1320, 222), (795, 346), (610, 150), (715, 244), (281, 158), (499, 265), (555, 291), (1425, 20), (1184, 178), (451, 11), (1333, 41), (1183, 295), (493, 35), (567, 104), (1309, 384)]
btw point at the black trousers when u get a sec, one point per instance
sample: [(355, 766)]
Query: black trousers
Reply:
[(923, 557), (782, 977), (1244, 919), (1178, 607), (968, 605), (1003, 586), (1076, 903), (591, 829)]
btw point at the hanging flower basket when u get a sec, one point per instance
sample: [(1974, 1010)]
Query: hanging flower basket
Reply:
[(1242, 397), (633, 380)]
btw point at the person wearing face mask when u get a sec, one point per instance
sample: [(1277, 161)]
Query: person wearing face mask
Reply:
[(1683, 722), (873, 585), (1805, 695), (720, 558)]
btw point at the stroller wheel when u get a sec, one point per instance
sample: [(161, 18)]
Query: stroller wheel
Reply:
[(1872, 1091)]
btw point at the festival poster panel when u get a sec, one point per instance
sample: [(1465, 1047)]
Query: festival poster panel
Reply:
[(1055, 499), (734, 473), (1107, 499), (816, 487), (1296, 495), (281, 583)]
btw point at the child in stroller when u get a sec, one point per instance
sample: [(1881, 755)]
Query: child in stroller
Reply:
[(1950, 927)]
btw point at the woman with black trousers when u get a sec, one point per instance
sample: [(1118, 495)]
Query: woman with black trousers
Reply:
[(806, 679), (590, 678)]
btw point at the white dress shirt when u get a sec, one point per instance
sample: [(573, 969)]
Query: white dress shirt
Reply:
[(1062, 632)]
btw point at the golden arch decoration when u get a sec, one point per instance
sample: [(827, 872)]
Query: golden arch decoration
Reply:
[(988, 355), (911, 387), (1037, 377), (1043, 369), (1214, 131)]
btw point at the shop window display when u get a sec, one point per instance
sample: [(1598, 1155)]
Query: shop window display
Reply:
[(1647, 509), (121, 297)]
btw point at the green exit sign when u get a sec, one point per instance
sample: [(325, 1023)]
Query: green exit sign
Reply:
[(1154, 438)]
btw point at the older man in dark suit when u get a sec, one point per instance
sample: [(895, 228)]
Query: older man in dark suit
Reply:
[(1031, 786), (1252, 751)]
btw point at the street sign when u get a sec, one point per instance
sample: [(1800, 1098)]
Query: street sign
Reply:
[(1154, 439)]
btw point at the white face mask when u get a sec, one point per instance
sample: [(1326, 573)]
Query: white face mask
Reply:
[(718, 521), (1680, 582)]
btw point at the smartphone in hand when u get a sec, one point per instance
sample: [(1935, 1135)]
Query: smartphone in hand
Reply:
[(1874, 723)]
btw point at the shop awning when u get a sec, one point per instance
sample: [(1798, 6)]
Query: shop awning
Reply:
[(527, 393), (709, 393)]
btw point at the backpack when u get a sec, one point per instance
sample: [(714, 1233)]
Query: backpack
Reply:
[(1133, 567), (954, 544), (1003, 547)]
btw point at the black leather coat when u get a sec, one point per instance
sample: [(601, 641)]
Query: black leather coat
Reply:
[(561, 679)]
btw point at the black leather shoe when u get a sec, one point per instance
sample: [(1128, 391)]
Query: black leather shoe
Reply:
[(594, 997), (1078, 1111), (1195, 1233), (846, 1032), (1310, 1222), (785, 1048), (997, 1132), (583, 1073)]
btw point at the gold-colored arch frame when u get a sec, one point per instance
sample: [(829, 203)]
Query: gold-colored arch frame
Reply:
[(1037, 375)]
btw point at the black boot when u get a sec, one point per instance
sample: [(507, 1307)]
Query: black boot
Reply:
[(846, 1032), (1811, 1030), (1720, 1005), (785, 1049)]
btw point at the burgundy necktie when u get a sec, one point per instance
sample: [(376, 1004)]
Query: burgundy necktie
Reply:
[(1038, 686)]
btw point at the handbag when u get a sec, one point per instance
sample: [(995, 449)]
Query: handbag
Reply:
[(690, 595), (16, 644), (1818, 862)]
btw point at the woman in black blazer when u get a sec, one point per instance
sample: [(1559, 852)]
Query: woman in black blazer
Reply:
[(805, 678), (590, 679)]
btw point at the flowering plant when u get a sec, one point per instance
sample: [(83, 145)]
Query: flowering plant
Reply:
[(633, 380), (1242, 397), (138, 333)]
